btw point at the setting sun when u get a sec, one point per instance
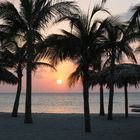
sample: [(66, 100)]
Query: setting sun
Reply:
[(59, 81)]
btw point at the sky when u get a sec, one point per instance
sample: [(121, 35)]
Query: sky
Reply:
[(45, 79)]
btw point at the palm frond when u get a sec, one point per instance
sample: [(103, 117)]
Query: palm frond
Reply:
[(10, 14), (65, 8), (135, 19), (129, 52), (38, 5), (38, 36), (107, 63), (123, 74), (114, 39), (78, 23), (96, 9), (133, 37), (75, 76), (26, 7), (59, 47), (7, 77), (35, 65), (43, 14)]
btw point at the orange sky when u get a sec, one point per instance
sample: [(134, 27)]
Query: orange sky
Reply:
[(44, 80)]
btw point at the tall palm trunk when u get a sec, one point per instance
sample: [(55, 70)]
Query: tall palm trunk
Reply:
[(110, 105), (126, 101), (28, 111), (16, 103), (86, 107), (86, 100), (102, 113), (111, 86)]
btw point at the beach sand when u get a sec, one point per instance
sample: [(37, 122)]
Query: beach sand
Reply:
[(69, 127)]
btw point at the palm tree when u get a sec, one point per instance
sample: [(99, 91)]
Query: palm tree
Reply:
[(114, 45), (134, 22), (102, 112), (32, 16), (125, 74), (18, 58), (16, 55), (128, 74), (79, 45), (98, 66), (5, 75)]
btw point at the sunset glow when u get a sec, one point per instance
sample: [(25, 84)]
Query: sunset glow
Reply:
[(69, 69), (59, 81), (45, 79)]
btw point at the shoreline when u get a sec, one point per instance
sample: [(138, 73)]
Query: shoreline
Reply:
[(69, 127)]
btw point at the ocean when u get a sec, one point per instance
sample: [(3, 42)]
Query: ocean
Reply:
[(65, 102)]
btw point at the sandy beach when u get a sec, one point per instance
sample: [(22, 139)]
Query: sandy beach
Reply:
[(69, 127)]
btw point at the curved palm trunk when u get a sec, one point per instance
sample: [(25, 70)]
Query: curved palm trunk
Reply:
[(16, 103), (111, 87), (102, 113), (126, 101), (86, 107), (28, 111)]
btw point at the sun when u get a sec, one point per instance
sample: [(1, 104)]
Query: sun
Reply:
[(59, 81)]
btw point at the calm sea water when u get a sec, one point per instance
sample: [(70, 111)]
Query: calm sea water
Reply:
[(66, 102)]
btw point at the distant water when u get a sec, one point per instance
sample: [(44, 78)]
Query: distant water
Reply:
[(65, 102)]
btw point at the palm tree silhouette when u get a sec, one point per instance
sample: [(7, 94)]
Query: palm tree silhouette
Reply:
[(18, 58), (79, 45), (18, 67), (98, 66), (114, 45), (127, 74), (5, 75), (124, 75), (32, 16)]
